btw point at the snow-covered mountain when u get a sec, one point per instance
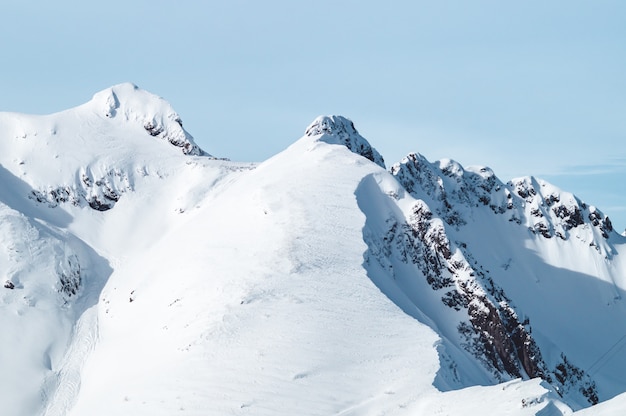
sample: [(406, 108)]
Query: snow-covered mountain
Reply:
[(143, 276)]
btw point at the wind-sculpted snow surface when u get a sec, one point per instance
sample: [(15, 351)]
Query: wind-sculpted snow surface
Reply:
[(142, 276)]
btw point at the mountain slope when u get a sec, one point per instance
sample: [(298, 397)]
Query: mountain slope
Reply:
[(144, 276), (516, 275), (296, 327)]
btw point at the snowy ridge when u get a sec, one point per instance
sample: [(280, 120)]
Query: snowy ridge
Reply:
[(142, 276), (541, 207)]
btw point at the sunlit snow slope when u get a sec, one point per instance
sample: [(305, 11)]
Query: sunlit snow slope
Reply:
[(143, 276)]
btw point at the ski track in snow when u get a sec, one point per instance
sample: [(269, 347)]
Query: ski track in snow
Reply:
[(63, 386)]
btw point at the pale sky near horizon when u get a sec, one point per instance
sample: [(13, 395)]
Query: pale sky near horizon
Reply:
[(527, 88)]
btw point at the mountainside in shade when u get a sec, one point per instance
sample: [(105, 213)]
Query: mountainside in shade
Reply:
[(142, 276)]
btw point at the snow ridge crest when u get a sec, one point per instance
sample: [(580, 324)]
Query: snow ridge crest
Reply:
[(340, 130), (155, 114), (455, 192)]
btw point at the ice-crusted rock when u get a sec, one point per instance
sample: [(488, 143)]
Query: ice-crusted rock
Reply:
[(552, 212), (100, 193), (340, 130), (68, 270), (450, 188), (153, 113), (455, 192)]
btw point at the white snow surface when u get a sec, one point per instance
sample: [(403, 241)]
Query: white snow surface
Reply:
[(144, 277)]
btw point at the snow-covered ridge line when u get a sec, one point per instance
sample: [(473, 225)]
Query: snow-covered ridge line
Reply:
[(456, 193), (141, 277)]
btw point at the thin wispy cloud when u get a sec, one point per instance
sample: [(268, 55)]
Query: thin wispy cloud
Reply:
[(612, 166)]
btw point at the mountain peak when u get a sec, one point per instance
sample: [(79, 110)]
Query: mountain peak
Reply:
[(340, 130), (155, 114)]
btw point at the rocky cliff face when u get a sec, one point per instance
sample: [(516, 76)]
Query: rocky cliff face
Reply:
[(426, 241), (488, 325), (455, 193)]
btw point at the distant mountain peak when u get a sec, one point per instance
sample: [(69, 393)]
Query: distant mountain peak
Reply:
[(155, 114), (340, 130)]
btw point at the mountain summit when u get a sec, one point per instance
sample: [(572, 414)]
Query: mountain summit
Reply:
[(94, 153), (340, 130), (142, 276), (140, 107)]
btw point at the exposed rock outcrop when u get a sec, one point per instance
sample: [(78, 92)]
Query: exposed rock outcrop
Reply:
[(340, 130), (99, 193), (416, 246), (454, 193)]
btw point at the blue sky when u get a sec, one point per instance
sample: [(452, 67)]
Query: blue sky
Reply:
[(527, 88)]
